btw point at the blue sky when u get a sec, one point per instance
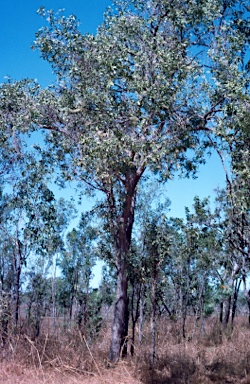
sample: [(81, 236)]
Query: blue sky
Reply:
[(18, 25)]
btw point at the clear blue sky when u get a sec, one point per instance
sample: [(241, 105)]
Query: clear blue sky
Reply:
[(18, 25)]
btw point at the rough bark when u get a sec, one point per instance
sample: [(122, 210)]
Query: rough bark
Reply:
[(124, 224), (120, 322)]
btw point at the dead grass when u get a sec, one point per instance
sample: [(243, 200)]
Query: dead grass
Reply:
[(11, 373), (218, 357), (215, 357)]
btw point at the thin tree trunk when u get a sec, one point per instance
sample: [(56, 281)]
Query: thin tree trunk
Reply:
[(141, 317), (133, 317), (38, 317), (17, 264), (135, 314), (226, 314), (17, 296), (221, 311), (235, 298), (53, 293), (228, 300), (152, 321), (247, 296)]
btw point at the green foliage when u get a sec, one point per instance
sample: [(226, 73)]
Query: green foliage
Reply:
[(89, 317), (5, 314), (38, 297), (79, 256), (16, 120), (136, 95)]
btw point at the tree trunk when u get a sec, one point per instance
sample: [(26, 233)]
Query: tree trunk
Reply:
[(18, 260), (121, 315), (226, 314), (121, 225), (134, 319), (53, 294), (135, 313), (141, 317), (228, 301), (221, 311), (235, 298), (17, 295), (152, 320), (121, 229), (247, 295)]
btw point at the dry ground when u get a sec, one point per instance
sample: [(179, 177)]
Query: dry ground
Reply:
[(213, 358), (11, 373)]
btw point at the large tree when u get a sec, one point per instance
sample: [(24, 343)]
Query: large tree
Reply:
[(133, 99)]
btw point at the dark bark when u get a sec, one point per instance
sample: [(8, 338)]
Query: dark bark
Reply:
[(18, 260), (227, 309), (38, 322), (122, 232), (235, 298), (228, 300), (120, 320), (17, 295), (221, 311), (170, 313), (121, 315)]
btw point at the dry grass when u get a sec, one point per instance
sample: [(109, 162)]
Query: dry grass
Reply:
[(217, 357), (64, 359), (11, 373)]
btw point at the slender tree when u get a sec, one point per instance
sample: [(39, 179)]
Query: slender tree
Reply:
[(30, 225), (76, 263)]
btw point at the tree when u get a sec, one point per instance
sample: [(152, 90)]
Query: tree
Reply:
[(38, 295), (77, 262), (201, 256), (233, 148), (30, 226), (234, 220), (135, 98), (15, 120)]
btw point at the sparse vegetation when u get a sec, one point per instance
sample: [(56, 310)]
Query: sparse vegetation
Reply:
[(215, 357), (162, 85)]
